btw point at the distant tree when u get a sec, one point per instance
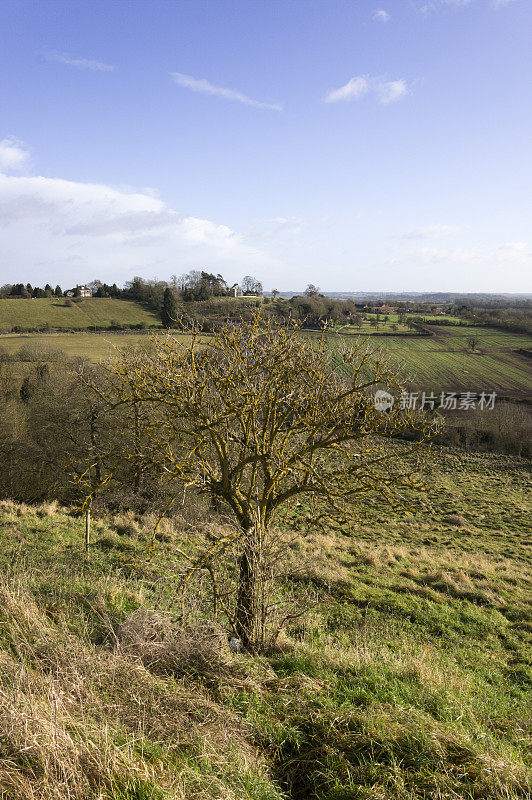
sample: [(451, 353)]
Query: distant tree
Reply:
[(29, 289), (275, 293), (311, 290), (58, 291), (169, 311), (38, 292), (48, 291), (251, 286), (473, 342), (195, 286), (77, 292)]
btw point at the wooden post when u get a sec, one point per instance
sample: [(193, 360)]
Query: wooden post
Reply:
[(87, 530)]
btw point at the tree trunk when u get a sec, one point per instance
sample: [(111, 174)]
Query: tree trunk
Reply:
[(247, 599)]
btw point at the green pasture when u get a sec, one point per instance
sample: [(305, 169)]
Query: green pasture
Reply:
[(444, 362), (63, 314), (94, 346)]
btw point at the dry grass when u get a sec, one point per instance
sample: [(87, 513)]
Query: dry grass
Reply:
[(74, 719)]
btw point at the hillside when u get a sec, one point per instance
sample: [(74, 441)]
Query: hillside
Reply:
[(64, 314), (409, 677)]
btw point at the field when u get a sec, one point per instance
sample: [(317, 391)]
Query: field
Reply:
[(88, 313), (94, 346), (443, 362), (409, 677)]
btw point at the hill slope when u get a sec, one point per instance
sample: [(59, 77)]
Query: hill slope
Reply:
[(58, 313), (410, 678)]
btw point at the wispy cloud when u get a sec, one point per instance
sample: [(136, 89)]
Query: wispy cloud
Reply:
[(391, 91), (381, 15), (204, 87), (507, 254), (432, 232), (277, 227), (80, 63), (432, 5), (14, 155), (385, 91), (352, 90)]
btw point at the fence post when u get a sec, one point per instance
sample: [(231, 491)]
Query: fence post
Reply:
[(87, 530)]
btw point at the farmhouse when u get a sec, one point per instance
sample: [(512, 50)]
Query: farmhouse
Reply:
[(84, 291), (235, 290)]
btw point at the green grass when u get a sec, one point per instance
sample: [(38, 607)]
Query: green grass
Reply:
[(438, 363), (443, 362), (89, 313), (94, 346), (409, 678)]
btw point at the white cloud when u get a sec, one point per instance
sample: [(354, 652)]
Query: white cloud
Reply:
[(352, 90), (381, 15), (432, 232), (77, 231), (204, 87), (14, 155), (501, 3), (385, 91), (80, 63), (391, 91)]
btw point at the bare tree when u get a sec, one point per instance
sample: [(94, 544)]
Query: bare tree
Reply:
[(473, 342), (258, 415), (251, 285)]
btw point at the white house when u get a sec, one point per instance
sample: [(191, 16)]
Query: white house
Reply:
[(84, 291)]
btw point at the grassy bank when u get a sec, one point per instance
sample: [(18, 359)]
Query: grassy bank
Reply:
[(409, 677), (63, 314)]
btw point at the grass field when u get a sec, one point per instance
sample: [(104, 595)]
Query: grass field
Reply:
[(95, 346), (443, 362), (425, 317), (89, 313), (409, 677)]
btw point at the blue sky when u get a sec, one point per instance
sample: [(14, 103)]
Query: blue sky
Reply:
[(356, 145)]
